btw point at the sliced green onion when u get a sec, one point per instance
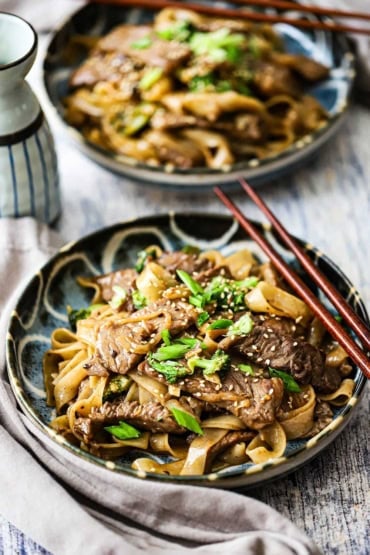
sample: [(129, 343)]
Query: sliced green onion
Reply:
[(119, 297), (187, 421), (289, 382), (142, 44), (170, 352), (150, 78), (248, 283), (166, 336), (123, 431), (190, 249), (203, 317), (220, 324), (246, 368), (194, 287), (243, 326), (139, 300)]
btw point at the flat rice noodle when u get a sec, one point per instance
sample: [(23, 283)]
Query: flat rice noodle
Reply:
[(196, 459), (224, 422), (340, 396), (160, 443), (149, 465), (273, 300), (270, 443), (298, 422), (240, 263), (153, 280)]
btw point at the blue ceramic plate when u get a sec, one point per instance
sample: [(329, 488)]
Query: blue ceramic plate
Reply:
[(42, 308), (333, 93)]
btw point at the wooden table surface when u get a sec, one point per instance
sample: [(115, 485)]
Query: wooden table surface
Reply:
[(327, 203)]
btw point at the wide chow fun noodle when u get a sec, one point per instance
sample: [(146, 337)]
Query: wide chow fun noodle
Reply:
[(206, 359), (191, 91)]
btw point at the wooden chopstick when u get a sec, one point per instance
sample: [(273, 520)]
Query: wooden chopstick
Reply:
[(239, 14), (334, 328), (331, 292), (315, 10)]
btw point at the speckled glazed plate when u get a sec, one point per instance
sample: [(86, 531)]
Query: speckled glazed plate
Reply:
[(42, 307), (333, 93)]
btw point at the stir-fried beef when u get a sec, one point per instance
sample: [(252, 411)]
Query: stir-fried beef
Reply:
[(179, 151), (270, 346), (179, 260), (122, 278), (110, 66), (247, 126), (254, 400), (271, 80), (306, 67), (116, 342), (230, 439), (150, 416), (158, 53)]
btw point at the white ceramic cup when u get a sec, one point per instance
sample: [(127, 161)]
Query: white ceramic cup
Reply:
[(28, 164)]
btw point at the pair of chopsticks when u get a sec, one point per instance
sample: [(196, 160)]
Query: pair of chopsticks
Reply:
[(250, 15), (357, 355)]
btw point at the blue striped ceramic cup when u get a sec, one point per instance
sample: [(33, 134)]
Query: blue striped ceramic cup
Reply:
[(28, 165)]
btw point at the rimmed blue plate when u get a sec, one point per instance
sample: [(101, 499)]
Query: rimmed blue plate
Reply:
[(42, 307), (333, 93)]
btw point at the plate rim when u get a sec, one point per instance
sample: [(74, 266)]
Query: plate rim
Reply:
[(248, 478), (269, 168)]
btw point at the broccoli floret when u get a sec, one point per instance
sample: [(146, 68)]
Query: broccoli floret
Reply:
[(219, 361)]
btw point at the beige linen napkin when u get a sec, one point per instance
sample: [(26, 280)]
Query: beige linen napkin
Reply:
[(71, 506)]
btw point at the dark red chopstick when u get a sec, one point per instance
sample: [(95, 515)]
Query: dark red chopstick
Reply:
[(248, 15), (316, 10), (362, 332), (353, 350)]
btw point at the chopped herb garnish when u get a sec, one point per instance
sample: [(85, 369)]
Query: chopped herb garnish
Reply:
[(166, 336), (289, 382), (139, 300), (190, 283), (171, 369), (119, 297), (80, 314), (246, 368), (197, 300), (142, 259), (123, 431), (243, 326), (220, 45), (171, 352), (200, 83), (248, 283), (219, 361), (220, 324), (254, 47), (142, 44), (116, 386), (190, 249), (186, 420), (203, 317), (150, 78), (180, 31)]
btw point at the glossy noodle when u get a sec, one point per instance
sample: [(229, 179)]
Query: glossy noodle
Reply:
[(190, 91), (204, 359)]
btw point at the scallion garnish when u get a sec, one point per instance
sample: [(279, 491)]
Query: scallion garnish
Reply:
[(289, 382), (119, 297), (190, 283), (186, 420), (123, 431), (220, 324), (246, 368), (243, 326), (150, 78), (142, 44)]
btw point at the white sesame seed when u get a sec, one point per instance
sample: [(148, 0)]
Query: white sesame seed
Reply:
[(273, 348), (295, 343)]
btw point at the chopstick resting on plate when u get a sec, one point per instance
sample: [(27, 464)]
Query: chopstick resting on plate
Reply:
[(248, 15), (353, 350)]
